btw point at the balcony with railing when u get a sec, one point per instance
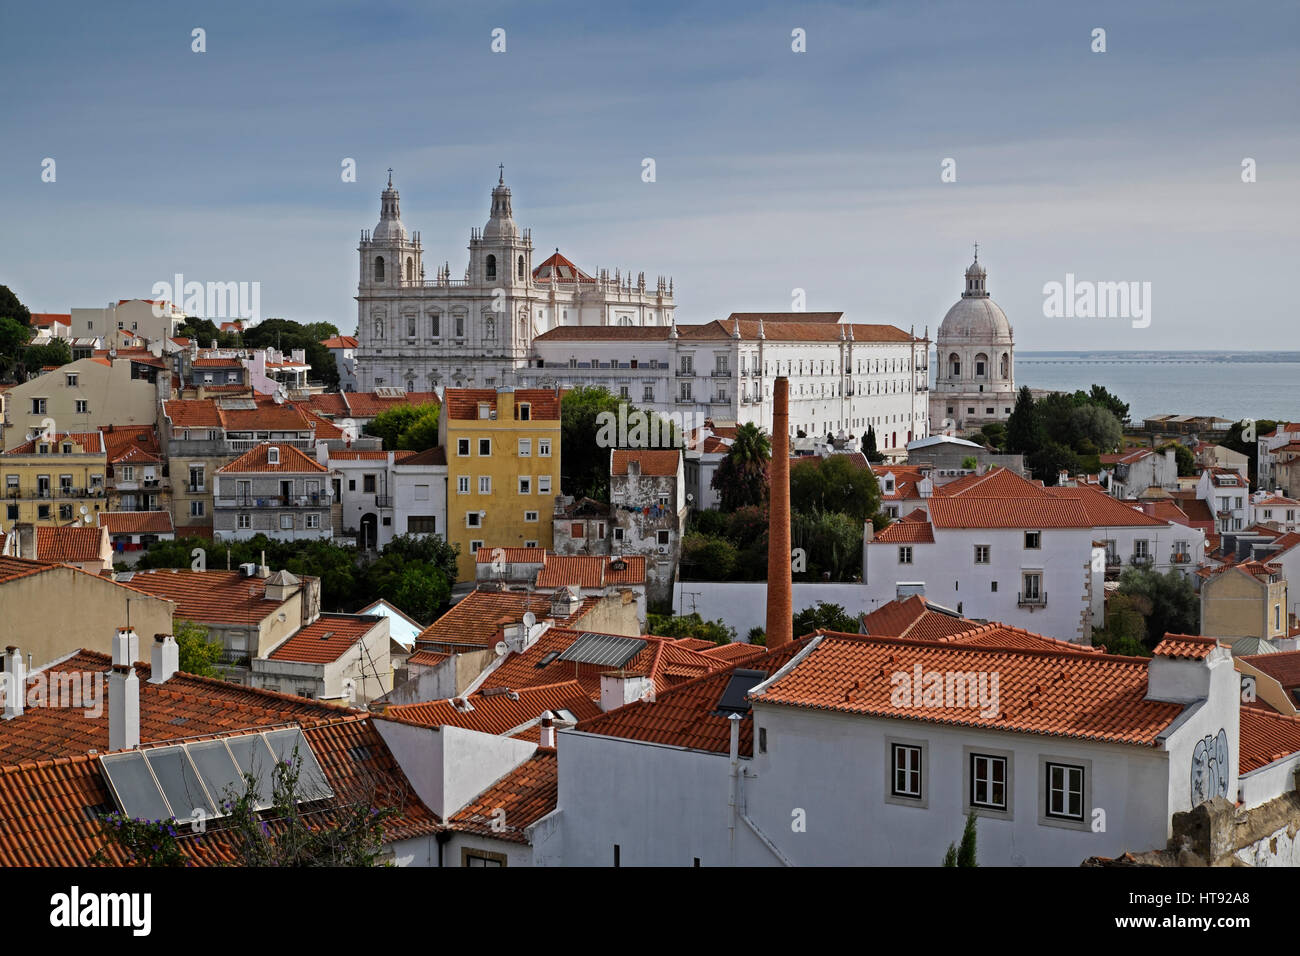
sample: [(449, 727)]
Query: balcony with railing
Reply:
[(687, 372), (1181, 557), (240, 445), (273, 501), (1032, 599), (722, 373), (383, 501), (1141, 560), (1113, 560)]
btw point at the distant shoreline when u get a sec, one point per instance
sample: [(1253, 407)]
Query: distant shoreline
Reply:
[(1169, 356)]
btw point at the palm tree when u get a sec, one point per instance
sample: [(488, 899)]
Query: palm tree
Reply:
[(741, 478)]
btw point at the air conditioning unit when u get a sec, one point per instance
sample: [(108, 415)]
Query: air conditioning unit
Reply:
[(663, 549), (248, 570)]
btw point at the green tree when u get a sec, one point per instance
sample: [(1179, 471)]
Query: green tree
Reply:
[(1100, 397), (824, 616), (1095, 424), (1168, 601), (13, 336), (1183, 457), (690, 625), (198, 654), (422, 591), (705, 557), (741, 477), (995, 434), (202, 331), (36, 357), (406, 427), (970, 463), (1050, 460), (588, 431), (11, 308), (873, 454), (834, 483), (832, 543), (756, 636), (965, 854), (287, 335), (1024, 430)]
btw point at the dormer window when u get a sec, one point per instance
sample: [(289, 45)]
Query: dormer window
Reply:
[(273, 456), (525, 412)]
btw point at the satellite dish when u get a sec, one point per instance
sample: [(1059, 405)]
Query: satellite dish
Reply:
[(501, 648), (83, 509), (112, 353), (529, 619), (88, 519)]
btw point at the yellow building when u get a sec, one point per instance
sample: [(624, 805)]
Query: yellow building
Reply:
[(1245, 600), (55, 480), (503, 468)]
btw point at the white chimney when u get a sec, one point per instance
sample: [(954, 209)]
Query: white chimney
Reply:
[(263, 571), (126, 646), (166, 659), (15, 685), (123, 708), (618, 689), (548, 731)]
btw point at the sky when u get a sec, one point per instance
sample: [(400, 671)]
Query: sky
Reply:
[(775, 170)]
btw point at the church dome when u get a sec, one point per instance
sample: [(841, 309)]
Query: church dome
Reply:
[(390, 228), (975, 317), (501, 223)]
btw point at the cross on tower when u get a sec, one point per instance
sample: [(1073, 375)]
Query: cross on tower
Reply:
[(977, 252), (390, 176), (501, 179)]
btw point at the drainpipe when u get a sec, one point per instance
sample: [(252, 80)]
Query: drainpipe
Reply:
[(733, 799)]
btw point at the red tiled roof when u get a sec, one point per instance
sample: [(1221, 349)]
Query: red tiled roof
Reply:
[(662, 659), (89, 441), (370, 404), (463, 403), (969, 511), (1103, 511), (476, 618), (1054, 692), (696, 644), (216, 361), (556, 268), (687, 715), (209, 597), (589, 571), (136, 522), (340, 342), (735, 652), (999, 635), (497, 713), (1283, 667), (1189, 646), (1125, 457), (511, 555), (329, 404), (326, 639), (121, 440), (69, 544), (1266, 737), (427, 658), (912, 617), (257, 459), (42, 319), (268, 415), (659, 463), (515, 802), (430, 456), (907, 530), (995, 483), (192, 413), (360, 454), (1276, 501)]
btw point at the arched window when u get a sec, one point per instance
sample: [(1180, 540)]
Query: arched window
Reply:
[(379, 268), (981, 365), (954, 365), (491, 267), (410, 269), (521, 268)]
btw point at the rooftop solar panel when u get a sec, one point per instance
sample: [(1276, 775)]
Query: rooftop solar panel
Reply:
[(179, 782), (739, 684), (605, 650), (134, 787), (290, 745)]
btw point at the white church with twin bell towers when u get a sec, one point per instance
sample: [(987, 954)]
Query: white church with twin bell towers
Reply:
[(420, 334), (975, 358)]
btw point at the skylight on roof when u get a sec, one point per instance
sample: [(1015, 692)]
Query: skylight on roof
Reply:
[(606, 650), (739, 684), (197, 780)]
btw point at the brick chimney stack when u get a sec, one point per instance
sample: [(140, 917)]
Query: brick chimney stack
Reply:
[(780, 611)]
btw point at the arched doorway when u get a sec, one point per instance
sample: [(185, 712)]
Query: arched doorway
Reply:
[(369, 532)]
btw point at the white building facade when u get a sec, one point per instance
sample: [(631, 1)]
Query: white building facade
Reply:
[(427, 333), (975, 358)]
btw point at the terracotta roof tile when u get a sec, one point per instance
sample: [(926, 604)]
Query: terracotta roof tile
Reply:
[(1266, 737), (136, 522), (89, 442), (257, 460), (1103, 511), (659, 463), (511, 555), (1054, 692), (192, 413), (476, 619), (525, 795), (735, 652), (497, 713), (1191, 647), (341, 342), (69, 544), (427, 658), (463, 403), (371, 404), (209, 597), (326, 639), (912, 617), (907, 530), (1284, 667)]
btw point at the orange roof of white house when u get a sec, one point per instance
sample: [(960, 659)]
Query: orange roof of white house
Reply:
[(326, 639), (653, 462), (136, 522), (341, 342), (70, 544), (259, 459)]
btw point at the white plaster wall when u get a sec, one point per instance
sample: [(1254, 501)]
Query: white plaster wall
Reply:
[(743, 604)]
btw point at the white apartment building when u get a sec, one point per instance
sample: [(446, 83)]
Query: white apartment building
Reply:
[(808, 756), (474, 332), (1275, 511), (998, 547), (1128, 474), (1227, 494), (1266, 450), (844, 377), (139, 318)]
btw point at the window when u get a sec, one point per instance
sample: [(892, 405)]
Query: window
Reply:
[(1064, 791), (530, 544), (368, 484), (648, 393), (994, 589), (196, 509), (762, 740), (544, 447), (313, 521), (286, 522), (72, 379), (474, 546), (379, 268), (981, 554), (38, 406), (460, 326), (196, 478), (128, 473), (65, 512), (577, 530), (530, 516), (519, 270), (421, 524), (544, 484), (435, 325), (462, 485), (685, 392), (410, 326), (473, 519), (1033, 592), (906, 776), (663, 537), (12, 512), (1033, 540), (485, 447), (525, 486), (525, 447), (905, 554), (1141, 548), (988, 781), (485, 484), (43, 512), (491, 270), (462, 447), (524, 412), (618, 534), (625, 391), (243, 520)]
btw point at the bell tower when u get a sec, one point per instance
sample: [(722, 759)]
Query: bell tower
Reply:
[(501, 271)]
